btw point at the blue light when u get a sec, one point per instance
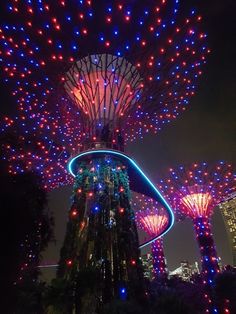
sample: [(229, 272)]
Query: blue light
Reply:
[(123, 293), (96, 208)]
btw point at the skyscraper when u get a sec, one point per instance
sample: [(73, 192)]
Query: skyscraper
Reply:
[(228, 211), (185, 271)]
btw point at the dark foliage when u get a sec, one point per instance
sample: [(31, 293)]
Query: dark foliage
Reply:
[(58, 297), (163, 297), (123, 307), (26, 229), (28, 298), (225, 290), (175, 296)]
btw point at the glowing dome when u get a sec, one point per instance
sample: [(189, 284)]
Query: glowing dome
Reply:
[(104, 87)]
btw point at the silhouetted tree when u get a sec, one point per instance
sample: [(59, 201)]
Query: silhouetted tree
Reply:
[(175, 296), (26, 229), (225, 290)]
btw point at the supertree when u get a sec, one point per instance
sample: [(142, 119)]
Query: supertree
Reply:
[(90, 77), (195, 191), (150, 55), (152, 220)]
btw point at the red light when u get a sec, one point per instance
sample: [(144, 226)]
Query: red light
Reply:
[(153, 223), (69, 262), (74, 213), (197, 203)]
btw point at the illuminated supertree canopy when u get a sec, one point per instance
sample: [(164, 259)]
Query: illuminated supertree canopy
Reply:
[(152, 220), (195, 190), (87, 70), (149, 215)]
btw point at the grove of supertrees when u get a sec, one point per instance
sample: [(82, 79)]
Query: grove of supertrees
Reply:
[(195, 191), (88, 77), (152, 220)]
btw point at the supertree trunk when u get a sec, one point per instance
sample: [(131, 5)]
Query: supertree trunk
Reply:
[(100, 255), (159, 265), (209, 259), (206, 244)]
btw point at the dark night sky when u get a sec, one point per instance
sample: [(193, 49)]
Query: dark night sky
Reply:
[(206, 131)]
